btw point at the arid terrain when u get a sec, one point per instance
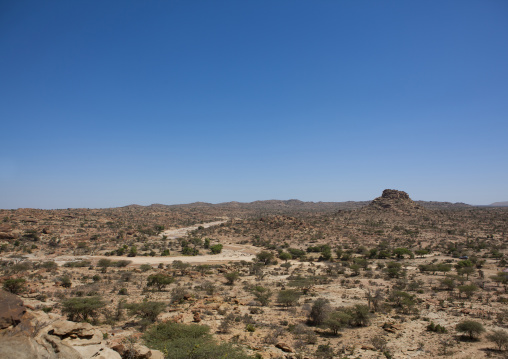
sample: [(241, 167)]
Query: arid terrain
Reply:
[(389, 278)]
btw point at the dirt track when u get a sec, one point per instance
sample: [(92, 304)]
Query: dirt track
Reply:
[(229, 252)]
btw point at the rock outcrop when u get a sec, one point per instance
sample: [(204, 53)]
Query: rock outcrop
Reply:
[(393, 201), (11, 309), (28, 334)]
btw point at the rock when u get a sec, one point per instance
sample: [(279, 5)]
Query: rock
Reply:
[(64, 328), (12, 309), (21, 347), (53, 345), (197, 317), (97, 351), (119, 348), (139, 352), (5, 235), (284, 347), (394, 194), (391, 327), (395, 202), (368, 347)]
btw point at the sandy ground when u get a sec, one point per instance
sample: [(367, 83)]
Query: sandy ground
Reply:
[(229, 253), (180, 232)]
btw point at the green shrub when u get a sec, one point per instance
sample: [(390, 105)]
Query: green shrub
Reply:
[(159, 280), (77, 264), (81, 309), (288, 297), (183, 341), (436, 328), (471, 328), (65, 282), (147, 311), (216, 249), (122, 291), (231, 277), (14, 286)]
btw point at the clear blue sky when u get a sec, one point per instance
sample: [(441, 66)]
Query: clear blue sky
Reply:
[(108, 103)]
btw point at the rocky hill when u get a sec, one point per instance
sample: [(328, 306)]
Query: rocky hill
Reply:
[(499, 204), (394, 202)]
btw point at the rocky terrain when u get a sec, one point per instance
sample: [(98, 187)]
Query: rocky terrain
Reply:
[(389, 278)]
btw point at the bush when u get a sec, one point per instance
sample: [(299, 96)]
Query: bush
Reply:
[(216, 249), (471, 328), (122, 291), (14, 286), (500, 338), (65, 282), (319, 311), (145, 267), (288, 298), (80, 309), (178, 295), (324, 351), (179, 341), (104, 264), (231, 277), (122, 263), (147, 311), (436, 328), (264, 257), (77, 264)]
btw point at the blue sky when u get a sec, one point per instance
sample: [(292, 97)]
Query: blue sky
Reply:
[(108, 103)]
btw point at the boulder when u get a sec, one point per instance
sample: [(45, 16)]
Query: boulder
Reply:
[(64, 328), (12, 309), (138, 351), (196, 317), (284, 347)]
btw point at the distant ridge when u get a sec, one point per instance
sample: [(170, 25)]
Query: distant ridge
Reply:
[(499, 204), (291, 205)]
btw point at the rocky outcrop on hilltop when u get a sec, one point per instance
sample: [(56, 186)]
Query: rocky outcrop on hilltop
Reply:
[(394, 201)]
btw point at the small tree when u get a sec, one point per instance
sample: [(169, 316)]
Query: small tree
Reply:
[(104, 264), (500, 338), (501, 278), (394, 270), (262, 295), (400, 252), (82, 308), (285, 256), (231, 277), (264, 257), (471, 328), (337, 320), (468, 290), (319, 312), (159, 280), (147, 311), (360, 315)]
